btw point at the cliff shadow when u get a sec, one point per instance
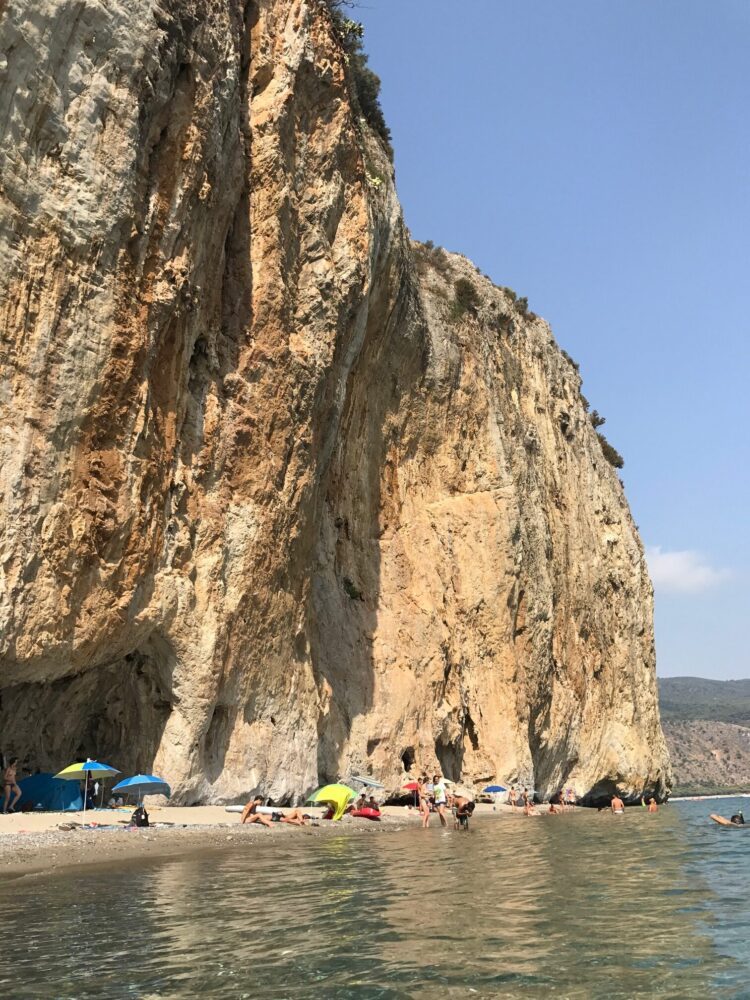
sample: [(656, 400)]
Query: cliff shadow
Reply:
[(114, 712), (359, 500)]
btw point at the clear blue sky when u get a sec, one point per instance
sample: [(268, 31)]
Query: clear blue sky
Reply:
[(595, 156)]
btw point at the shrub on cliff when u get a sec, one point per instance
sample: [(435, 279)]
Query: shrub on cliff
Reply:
[(466, 298), (612, 455), (570, 360), (366, 83)]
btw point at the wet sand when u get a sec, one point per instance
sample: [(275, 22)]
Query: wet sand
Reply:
[(34, 843)]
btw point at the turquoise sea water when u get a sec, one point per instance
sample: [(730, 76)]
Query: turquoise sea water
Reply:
[(583, 905)]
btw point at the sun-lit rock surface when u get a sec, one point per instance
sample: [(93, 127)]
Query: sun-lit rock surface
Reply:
[(271, 512)]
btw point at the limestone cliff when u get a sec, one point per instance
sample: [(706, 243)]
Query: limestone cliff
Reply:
[(272, 510)]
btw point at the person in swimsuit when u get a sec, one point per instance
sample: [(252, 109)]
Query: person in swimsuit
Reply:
[(652, 806), (295, 818), (10, 786), (617, 805), (250, 813), (424, 801), (373, 804), (512, 797), (738, 819), (463, 810)]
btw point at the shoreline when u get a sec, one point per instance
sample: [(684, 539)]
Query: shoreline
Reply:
[(33, 843)]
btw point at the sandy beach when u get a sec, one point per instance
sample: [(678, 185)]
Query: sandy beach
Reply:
[(35, 842)]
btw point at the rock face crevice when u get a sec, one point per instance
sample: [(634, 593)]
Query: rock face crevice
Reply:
[(273, 511)]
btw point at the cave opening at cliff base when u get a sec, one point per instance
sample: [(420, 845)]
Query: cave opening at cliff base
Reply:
[(116, 712)]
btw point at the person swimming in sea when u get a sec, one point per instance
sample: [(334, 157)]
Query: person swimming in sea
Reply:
[(617, 805), (652, 806), (738, 819)]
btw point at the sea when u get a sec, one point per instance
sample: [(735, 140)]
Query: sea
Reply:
[(581, 905)]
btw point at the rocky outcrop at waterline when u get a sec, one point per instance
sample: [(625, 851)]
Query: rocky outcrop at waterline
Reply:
[(275, 506)]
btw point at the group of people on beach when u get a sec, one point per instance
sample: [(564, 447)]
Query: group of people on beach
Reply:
[(561, 801), (434, 797), (297, 817)]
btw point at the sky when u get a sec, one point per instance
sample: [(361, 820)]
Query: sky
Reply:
[(595, 157)]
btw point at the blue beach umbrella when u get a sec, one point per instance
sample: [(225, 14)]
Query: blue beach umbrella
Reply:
[(495, 788), (143, 784)]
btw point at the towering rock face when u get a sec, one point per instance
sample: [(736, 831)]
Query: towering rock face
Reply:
[(274, 509)]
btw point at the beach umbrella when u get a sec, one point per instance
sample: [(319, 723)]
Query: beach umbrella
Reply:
[(495, 790), (143, 784), (82, 772), (412, 786), (337, 796), (367, 782)]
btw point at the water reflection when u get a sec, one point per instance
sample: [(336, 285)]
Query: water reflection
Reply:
[(585, 906)]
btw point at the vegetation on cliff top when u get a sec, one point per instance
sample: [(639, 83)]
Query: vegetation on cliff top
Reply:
[(697, 698), (365, 83)]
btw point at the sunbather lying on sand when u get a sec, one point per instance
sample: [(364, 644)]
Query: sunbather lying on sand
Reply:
[(250, 814), (296, 817)]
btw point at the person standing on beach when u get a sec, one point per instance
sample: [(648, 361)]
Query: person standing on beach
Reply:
[(429, 788), (10, 786), (525, 799), (512, 797), (441, 798), (424, 801)]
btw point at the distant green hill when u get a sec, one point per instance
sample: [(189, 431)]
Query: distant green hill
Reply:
[(684, 699), (707, 727)]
